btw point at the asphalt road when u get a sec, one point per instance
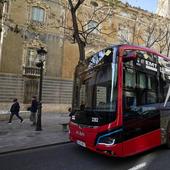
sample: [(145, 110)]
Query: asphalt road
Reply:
[(72, 157)]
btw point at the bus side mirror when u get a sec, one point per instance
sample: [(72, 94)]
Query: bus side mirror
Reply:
[(130, 56)]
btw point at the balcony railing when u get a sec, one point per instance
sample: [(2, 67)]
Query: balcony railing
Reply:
[(31, 71)]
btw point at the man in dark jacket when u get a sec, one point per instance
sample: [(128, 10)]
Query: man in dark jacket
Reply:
[(33, 110), (15, 110)]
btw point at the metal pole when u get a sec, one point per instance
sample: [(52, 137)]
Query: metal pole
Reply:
[(38, 124)]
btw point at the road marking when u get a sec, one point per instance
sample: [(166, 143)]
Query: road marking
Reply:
[(139, 166)]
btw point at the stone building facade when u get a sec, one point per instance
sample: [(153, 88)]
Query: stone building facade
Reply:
[(27, 25)]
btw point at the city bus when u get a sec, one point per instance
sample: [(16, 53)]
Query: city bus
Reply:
[(121, 102)]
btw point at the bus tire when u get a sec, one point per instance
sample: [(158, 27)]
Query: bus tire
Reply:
[(168, 136)]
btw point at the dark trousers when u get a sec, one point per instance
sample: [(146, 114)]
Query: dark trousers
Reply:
[(17, 115), (33, 118)]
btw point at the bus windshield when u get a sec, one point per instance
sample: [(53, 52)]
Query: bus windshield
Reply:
[(95, 93)]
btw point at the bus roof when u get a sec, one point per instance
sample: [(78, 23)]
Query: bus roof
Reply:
[(126, 47), (134, 47)]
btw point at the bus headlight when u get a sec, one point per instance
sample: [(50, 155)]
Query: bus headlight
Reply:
[(106, 141), (110, 138)]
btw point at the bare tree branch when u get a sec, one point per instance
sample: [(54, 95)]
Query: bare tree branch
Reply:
[(81, 31), (78, 4)]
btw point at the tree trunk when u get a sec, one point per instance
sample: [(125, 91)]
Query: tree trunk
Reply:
[(81, 51), (81, 44)]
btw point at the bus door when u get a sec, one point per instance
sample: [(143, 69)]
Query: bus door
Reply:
[(132, 120), (140, 102)]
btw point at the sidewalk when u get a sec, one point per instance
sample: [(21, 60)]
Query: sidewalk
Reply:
[(21, 136)]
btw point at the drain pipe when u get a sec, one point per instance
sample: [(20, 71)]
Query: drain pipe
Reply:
[(2, 29)]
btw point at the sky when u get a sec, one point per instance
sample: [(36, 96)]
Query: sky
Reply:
[(149, 5)]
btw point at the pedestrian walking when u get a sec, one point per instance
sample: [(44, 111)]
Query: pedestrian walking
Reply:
[(33, 109), (15, 108)]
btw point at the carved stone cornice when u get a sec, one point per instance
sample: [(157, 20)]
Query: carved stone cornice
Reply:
[(36, 26), (38, 3), (34, 43)]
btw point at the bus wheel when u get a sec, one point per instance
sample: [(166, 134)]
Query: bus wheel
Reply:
[(168, 136)]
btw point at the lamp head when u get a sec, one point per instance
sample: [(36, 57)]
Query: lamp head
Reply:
[(41, 52)]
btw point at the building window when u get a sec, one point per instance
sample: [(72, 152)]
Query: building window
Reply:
[(92, 26), (31, 57), (38, 14)]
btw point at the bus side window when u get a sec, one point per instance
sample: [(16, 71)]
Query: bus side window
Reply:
[(141, 88), (141, 96), (130, 78), (163, 89), (129, 100)]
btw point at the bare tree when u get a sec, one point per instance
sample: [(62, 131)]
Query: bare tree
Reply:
[(153, 33), (126, 33), (82, 29), (129, 28), (165, 44), (162, 45), (148, 31)]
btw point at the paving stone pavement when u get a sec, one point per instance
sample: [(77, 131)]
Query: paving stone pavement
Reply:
[(21, 136)]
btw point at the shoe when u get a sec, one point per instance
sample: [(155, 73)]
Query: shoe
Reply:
[(22, 121), (9, 122)]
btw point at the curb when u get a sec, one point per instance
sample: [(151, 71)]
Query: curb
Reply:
[(34, 147)]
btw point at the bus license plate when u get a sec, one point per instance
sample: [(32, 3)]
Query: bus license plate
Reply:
[(81, 143)]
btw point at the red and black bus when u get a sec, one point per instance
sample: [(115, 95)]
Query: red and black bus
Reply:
[(120, 101)]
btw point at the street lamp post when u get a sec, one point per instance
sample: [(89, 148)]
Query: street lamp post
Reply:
[(41, 54)]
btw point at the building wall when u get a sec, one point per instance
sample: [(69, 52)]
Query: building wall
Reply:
[(48, 35), (11, 86), (12, 54), (20, 35), (54, 90), (54, 56), (70, 60)]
